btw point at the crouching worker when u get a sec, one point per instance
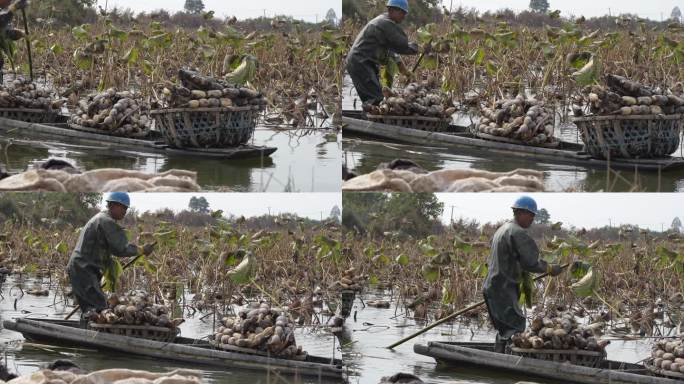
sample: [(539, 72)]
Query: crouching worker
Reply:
[(378, 43), (513, 251), (100, 238)]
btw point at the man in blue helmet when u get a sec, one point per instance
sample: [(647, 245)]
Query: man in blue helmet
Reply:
[(100, 238), (380, 40), (513, 251)]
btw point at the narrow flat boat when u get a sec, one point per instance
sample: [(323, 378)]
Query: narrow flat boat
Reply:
[(482, 355), (186, 350), (61, 132), (355, 123)]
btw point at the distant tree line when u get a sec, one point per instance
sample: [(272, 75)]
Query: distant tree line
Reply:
[(540, 13), (419, 215), (194, 15), (414, 214), (421, 11), (49, 209)]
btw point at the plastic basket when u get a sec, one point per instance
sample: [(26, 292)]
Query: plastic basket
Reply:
[(431, 124), (644, 136), (40, 116), (139, 331), (140, 136), (574, 356)]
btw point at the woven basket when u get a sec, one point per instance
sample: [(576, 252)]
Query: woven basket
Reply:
[(661, 372), (578, 357), (40, 116), (646, 136), (431, 124), (207, 127), (148, 332)]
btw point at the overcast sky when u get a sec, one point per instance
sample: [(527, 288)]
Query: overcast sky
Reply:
[(589, 210), (309, 205), (306, 10), (651, 9)]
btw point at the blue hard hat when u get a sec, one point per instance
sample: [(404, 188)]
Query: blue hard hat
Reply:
[(527, 203), (401, 4), (119, 197)]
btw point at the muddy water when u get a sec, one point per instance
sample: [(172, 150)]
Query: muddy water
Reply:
[(306, 161), (363, 155), (363, 348)]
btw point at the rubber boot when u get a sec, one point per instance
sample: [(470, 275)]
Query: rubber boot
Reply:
[(500, 345), (83, 321)]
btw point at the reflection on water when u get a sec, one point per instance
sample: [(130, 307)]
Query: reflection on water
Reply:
[(306, 161), (364, 352), (363, 155)]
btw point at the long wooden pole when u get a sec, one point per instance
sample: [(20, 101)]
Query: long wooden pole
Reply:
[(455, 314), (28, 42), (124, 267), (420, 58)]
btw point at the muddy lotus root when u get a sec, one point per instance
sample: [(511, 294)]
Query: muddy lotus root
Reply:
[(414, 100), (135, 308), (669, 355), (261, 328), (22, 93), (622, 96), (560, 332), (350, 280), (519, 118), (197, 91), (120, 113)]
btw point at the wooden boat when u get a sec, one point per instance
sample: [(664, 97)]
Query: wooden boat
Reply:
[(354, 122), (482, 355), (61, 131), (186, 350)]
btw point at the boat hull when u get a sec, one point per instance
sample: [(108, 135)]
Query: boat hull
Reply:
[(568, 153), (482, 355), (186, 350), (71, 136)]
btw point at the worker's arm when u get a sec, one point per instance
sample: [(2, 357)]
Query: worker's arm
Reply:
[(396, 40), (528, 253), (117, 241)]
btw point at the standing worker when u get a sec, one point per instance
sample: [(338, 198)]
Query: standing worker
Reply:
[(8, 35), (379, 41), (513, 251), (100, 238)]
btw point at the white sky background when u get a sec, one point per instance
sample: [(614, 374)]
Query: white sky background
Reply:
[(299, 9), (248, 204), (589, 210), (651, 9)]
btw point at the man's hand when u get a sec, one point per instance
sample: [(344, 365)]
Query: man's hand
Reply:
[(148, 248), (554, 269), (15, 34), (414, 47)]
